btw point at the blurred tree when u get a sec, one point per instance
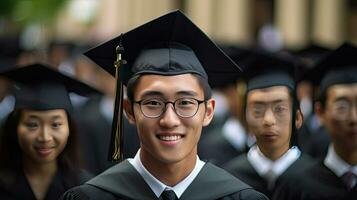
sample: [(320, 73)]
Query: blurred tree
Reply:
[(29, 11)]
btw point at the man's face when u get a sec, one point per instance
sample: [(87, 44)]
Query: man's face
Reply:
[(169, 138), (340, 115), (268, 114)]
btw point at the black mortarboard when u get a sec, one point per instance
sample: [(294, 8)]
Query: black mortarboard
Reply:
[(239, 55), (264, 69), (168, 45), (337, 67), (311, 53), (39, 87)]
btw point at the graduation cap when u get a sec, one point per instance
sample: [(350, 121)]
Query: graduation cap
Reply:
[(265, 69), (337, 67), (168, 45), (239, 55), (39, 87), (311, 53)]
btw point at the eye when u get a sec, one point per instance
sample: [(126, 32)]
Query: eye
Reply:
[(56, 125), (186, 102), (280, 109), (258, 110), (152, 103), (341, 106), (31, 125)]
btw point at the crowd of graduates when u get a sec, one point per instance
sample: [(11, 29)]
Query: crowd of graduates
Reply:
[(286, 125)]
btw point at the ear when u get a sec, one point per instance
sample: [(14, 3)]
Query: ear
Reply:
[(299, 119), (320, 112), (210, 105), (127, 106)]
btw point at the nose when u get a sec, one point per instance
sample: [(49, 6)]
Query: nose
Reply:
[(269, 118), (169, 118), (45, 134)]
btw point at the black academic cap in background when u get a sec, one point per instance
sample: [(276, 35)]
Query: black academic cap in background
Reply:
[(169, 45), (337, 67), (39, 87), (264, 69), (311, 53), (239, 55)]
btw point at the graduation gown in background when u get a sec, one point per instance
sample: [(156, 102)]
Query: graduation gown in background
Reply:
[(318, 143), (16, 186), (242, 169), (216, 148), (94, 136), (317, 182), (122, 181)]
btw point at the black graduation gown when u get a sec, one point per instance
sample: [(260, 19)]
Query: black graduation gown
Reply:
[(16, 186), (317, 146), (216, 149), (242, 169), (122, 181), (317, 182)]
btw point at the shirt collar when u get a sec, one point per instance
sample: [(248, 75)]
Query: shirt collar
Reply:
[(235, 134), (263, 165), (157, 186), (336, 164)]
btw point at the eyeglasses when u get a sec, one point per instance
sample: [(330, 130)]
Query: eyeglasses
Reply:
[(342, 109), (183, 107)]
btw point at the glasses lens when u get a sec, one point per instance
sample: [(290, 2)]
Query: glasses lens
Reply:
[(186, 107), (152, 107), (341, 109)]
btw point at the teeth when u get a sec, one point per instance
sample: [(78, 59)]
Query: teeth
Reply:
[(170, 138)]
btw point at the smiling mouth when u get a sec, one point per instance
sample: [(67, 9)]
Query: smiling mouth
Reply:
[(170, 138), (44, 151)]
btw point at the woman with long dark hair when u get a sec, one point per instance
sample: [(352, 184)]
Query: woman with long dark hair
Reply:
[(39, 156)]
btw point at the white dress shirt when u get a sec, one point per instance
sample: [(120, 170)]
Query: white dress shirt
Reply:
[(234, 133), (336, 164), (268, 169), (157, 186)]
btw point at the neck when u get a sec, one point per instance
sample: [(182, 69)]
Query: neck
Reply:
[(39, 169), (273, 153), (348, 155), (169, 173)]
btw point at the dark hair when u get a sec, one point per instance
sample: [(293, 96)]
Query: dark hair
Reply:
[(322, 97), (133, 82), (11, 154)]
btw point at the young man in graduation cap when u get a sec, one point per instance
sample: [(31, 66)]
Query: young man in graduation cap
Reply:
[(169, 65), (334, 177), (272, 115)]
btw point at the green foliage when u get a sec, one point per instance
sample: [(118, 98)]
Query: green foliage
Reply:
[(26, 11)]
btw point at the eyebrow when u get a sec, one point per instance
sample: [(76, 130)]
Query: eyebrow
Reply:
[(180, 93), (57, 117), (264, 102), (52, 117), (341, 99)]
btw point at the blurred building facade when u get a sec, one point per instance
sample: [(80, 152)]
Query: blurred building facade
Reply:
[(291, 24)]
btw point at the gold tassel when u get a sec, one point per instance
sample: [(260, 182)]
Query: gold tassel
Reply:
[(117, 140)]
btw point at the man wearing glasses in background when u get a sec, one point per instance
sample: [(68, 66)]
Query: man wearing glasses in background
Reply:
[(335, 177)]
